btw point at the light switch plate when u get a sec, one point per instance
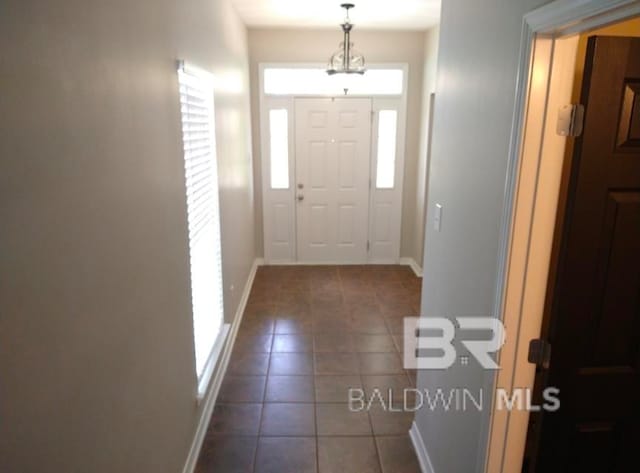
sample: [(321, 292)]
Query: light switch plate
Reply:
[(437, 218)]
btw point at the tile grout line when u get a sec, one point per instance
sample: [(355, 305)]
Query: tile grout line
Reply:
[(264, 395)]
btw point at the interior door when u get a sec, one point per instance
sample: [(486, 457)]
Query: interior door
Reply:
[(332, 179), (594, 321)]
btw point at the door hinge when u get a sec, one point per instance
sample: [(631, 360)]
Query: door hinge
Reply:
[(368, 245), (539, 353), (570, 120)]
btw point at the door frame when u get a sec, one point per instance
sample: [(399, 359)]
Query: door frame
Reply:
[(287, 196), (518, 280)]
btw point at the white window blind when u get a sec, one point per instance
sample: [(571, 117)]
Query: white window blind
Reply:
[(203, 208), (315, 81)]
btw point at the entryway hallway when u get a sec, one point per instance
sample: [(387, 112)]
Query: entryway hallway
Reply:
[(308, 334)]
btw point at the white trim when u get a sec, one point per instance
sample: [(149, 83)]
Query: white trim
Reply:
[(329, 263), (408, 261), (214, 357), (565, 17), (421, 450), (288, 255), (556, 19), (210, 398)]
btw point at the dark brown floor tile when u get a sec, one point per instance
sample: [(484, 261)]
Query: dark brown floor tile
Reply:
[(242, 389), (292, 325), (288, 419), (347, 454), (341, 311), (258, 307), (321, 301), (336, 363), (331, 324), (257, 326), (395, 296), (385, 286), (398, 341), (291, 364), (294, 304), (333, 342), (253, 343), (366, 343), (381, 385), (412, 374), (339, 419), (293, 343), (380, 363), (374, 325), (390, 419), (248, 364), (235, 419), (286, 455), (228, 454), (370, 309), (290, 389), (335, 388), (405, 309), (395, 325), (330, 310), (360, 298), (330, 286), (397, 455), (295, 284)]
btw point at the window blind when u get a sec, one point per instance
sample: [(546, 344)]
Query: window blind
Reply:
[(203, 210)]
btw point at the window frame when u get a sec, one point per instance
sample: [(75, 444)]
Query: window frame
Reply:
[(204, 365)]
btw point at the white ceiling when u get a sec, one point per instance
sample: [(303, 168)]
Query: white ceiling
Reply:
[(367, 14)]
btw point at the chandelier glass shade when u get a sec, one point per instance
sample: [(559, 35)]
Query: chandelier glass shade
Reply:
[(346, 60)]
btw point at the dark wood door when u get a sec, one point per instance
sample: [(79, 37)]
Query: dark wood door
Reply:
[(593, 323)]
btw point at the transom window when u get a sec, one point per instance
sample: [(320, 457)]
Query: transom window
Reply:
[(315, 81)]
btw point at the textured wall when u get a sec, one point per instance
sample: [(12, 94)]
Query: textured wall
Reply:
[(96, 353), (476, 80)]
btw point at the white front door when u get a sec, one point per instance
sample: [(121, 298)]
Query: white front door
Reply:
[(332, 155)]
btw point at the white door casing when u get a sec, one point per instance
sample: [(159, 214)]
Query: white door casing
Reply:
[(332, 154)]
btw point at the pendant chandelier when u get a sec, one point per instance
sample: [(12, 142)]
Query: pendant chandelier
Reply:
[(346, 60)]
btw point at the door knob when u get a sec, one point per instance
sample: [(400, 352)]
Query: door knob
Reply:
[(300, 197), (300, 186)]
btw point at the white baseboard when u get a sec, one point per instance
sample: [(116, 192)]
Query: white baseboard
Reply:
[(414, 266), (209, 399), (421, 450), (405, 261)]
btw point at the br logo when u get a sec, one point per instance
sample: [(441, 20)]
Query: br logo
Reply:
[(428, 341)]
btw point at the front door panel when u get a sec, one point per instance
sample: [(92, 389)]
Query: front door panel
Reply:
[(332, 179)]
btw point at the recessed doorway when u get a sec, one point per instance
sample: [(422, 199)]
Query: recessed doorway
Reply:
[(332, 164)]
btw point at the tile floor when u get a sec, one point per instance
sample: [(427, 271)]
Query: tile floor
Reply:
[(309, 333)]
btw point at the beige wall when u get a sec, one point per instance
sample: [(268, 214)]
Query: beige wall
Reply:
[(478, 62), (430, 67), (271, 45), (96, 351)]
